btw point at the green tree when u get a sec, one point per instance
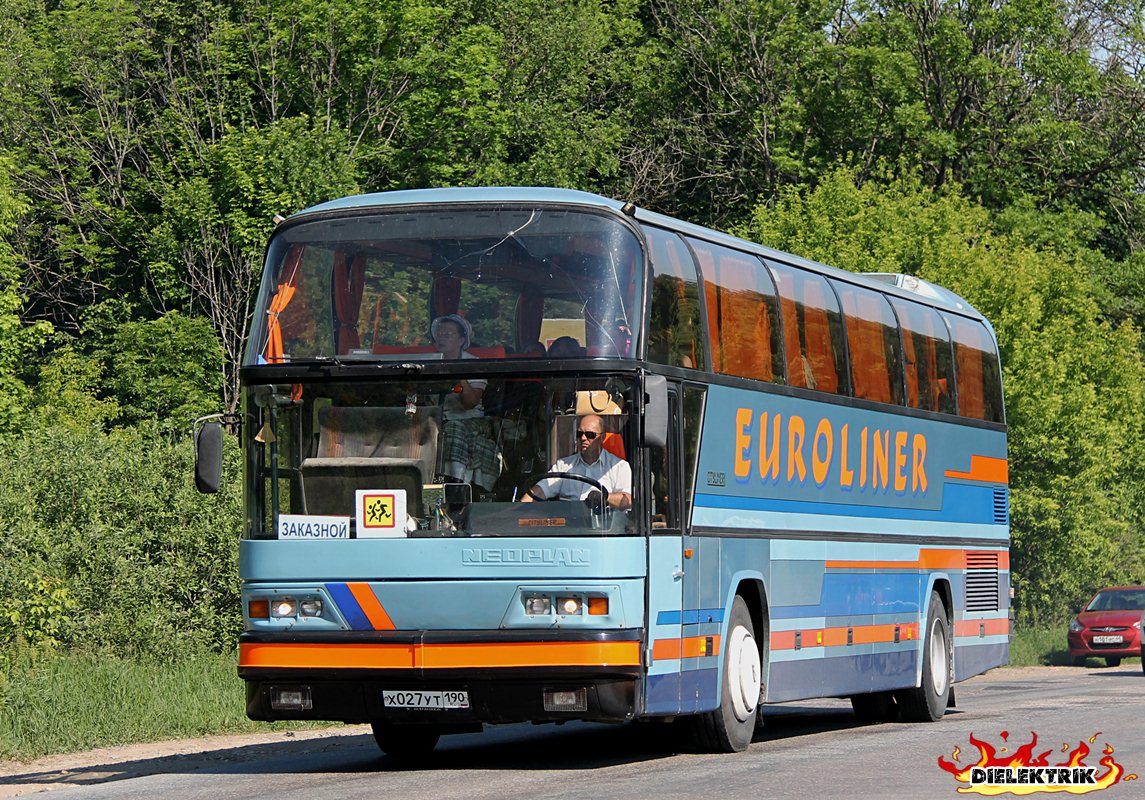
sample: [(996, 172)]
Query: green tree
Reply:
[(1008, 99), (167, 371), (18, 341), (207, 250)]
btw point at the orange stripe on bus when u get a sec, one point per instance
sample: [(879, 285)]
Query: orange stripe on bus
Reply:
[(973, 627), (927, 560), (440, 656), (984, 469), (371, 607), (837, 637), (688, 647)]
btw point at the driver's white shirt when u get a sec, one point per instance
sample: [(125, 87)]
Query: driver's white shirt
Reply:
[(613, 473)]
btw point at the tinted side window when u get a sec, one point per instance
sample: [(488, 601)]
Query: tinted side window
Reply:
[(977, 369), (674, 331), (929, 363), (873, 344), (812, 330), (743, 322)]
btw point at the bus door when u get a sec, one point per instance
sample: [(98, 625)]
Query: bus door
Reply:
[(703, 602), (666, 569)]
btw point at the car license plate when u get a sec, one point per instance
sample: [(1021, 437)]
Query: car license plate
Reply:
[(425, 701), (1108, 639)]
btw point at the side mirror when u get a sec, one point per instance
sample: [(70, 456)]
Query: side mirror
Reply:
[(655, 411), (208, 456)]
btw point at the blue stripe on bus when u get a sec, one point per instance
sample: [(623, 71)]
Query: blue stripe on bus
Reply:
[(961, 503), (348, 605), (850, 594), (693, 616)]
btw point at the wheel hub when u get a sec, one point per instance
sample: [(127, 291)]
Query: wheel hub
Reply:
[(743, 673)]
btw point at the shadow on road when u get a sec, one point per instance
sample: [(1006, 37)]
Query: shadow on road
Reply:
[(575, 746)]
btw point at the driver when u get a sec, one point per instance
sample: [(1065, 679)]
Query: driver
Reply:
[(590, 461)]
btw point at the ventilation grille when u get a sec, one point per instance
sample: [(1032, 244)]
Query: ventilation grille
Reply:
[(982, 581), (1001, 506)]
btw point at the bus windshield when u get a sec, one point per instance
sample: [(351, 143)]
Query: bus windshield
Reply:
[(455, 470), (521, 277)]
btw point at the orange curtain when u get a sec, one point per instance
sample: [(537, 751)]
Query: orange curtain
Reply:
[(286, 289), (349, 283), (817, 335), (789, 313), (971, 384), (869, 371)]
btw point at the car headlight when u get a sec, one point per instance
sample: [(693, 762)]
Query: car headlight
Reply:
[(1076, 626)]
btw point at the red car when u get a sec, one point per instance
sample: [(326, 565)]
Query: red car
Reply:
[(1109, 626)]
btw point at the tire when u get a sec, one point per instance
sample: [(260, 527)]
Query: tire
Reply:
[(729, 728), (1113, 662), (407, 742), (927, 703), (1077, 661), (875, 707)]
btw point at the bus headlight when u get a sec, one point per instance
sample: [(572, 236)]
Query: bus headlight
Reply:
[(538, 606), (569, 606), (283, 607), (310, 607)]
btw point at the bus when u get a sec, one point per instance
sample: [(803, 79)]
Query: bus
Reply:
[(816, 504)]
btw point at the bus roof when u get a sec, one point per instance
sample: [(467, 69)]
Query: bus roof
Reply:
[(490, 194), (933, 294)]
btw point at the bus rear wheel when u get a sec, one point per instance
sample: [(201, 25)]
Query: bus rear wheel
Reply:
[(405, 741), (729, 728), (927, 702)]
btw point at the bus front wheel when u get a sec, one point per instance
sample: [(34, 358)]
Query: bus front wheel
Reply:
[(729, 728), (927, 702), (405, 741)]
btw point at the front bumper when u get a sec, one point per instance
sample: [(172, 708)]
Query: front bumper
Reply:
[(506, 674), (1081, 645)]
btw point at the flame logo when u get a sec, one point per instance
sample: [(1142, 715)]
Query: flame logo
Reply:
[(1025, 756)]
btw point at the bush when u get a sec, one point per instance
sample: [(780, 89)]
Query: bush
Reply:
[(109, 546)]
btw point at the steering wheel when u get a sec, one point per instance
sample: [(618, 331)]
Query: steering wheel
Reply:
[(572, 476)]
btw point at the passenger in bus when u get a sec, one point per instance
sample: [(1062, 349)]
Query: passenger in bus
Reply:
[(469, 454), (566, 347), (590, 461)]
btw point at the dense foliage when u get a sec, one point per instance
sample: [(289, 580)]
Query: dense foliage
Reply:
[(994, 146)]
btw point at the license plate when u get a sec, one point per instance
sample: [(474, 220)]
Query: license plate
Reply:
[(1108, 639), (426, 701)]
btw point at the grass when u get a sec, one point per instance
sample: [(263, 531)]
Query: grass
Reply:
[(1043, 646), (65, 702), (1040, 646)]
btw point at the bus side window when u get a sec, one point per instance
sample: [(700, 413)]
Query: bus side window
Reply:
[(674, 322), (928, 362), (812, 330), (976, 368), (873, 343), (743, 321), (665, 500)]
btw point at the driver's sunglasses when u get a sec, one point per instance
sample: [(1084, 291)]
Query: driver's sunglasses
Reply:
[(590, 435)]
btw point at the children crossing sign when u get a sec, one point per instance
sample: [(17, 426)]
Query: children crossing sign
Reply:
[(380, 513)]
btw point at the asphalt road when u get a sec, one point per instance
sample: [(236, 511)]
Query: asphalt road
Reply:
[(805, 750)]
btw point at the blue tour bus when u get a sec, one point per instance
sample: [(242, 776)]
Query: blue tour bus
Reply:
[(818, 474)]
